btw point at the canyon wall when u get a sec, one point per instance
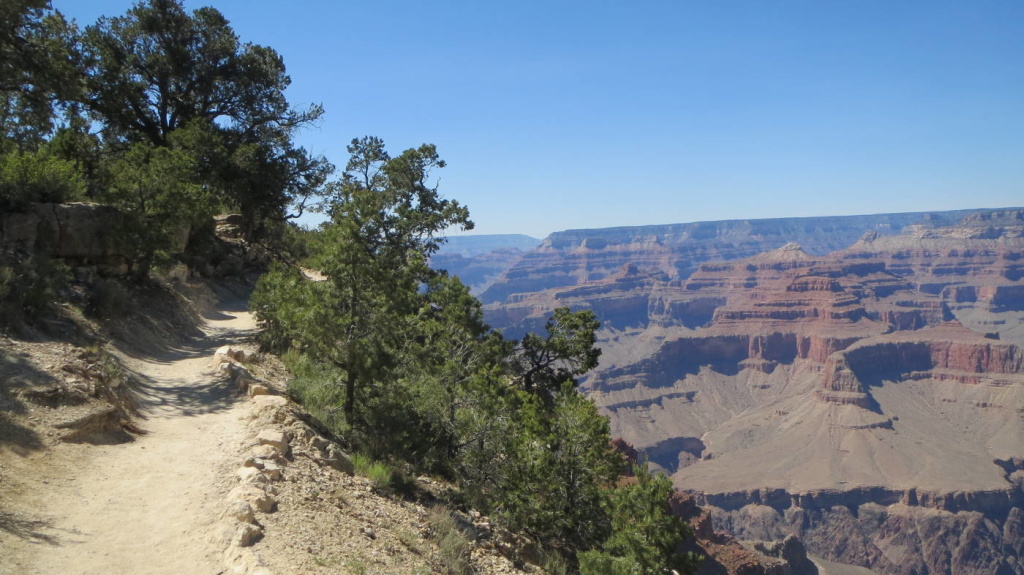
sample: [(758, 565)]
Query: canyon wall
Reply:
[(576, 257), (868, 401)]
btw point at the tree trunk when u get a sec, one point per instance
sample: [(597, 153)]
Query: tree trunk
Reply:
[(350, 396)]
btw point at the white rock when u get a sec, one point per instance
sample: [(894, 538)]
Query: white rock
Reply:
[(230, 532), (240, 561), (259, 499), (240, 511), (274, 438), (273, 472), (268, 453), (256, 389), (250, 475), (246, 534), (262, 403)]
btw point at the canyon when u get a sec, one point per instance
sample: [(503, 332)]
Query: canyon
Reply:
[(854, 382)]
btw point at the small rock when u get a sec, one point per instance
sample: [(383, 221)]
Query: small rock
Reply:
[(224, 368), (253, 495), (240, 561), (273, 472), (256, 389), (319, 444), (337, 459), (253, 462), (268, 453), (244, 384), (303, 433), (369, 532), (263, 404), (236, 534), (250, 475), (226, 351), (240, 511), (274, 438), (246, 535)]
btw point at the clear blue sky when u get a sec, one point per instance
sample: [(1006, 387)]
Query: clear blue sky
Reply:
[(585, 114)]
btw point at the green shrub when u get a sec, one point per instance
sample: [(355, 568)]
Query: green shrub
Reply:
[(378, 473), (316, 387), (37, 177), (109, 299), (28, 287)]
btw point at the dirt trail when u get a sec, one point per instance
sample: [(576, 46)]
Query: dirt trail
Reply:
[(145, 506)]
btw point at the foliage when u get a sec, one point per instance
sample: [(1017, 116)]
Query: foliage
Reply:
[(385, 220), (159, 71), (156, 189), (644, 533), (38, 70), (313, 385), (28, 286), (562, 462), (27, 177), (454, 548), (544, 365), (377, 472), (158, 68)]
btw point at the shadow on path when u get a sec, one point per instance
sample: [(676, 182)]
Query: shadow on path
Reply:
[(198, 388), (28, 529)]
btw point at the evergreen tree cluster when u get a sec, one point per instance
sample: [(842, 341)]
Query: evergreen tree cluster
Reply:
[(164, 113), (395, 357)]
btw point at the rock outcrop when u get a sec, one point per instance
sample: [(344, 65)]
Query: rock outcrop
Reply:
[(80, 233)]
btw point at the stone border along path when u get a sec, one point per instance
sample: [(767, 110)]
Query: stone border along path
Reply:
[(238, 528)]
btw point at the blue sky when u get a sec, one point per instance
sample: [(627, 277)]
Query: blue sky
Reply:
[(569, 114)]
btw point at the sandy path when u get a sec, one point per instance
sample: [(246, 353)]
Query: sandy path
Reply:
[(147, 506)]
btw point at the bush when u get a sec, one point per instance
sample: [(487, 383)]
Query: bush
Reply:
[(28, 287), (316, 387), (109, 299), (26, 178), (378, 473)]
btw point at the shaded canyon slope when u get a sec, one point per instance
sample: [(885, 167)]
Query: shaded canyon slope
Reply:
[(480, 260), (869, 401)]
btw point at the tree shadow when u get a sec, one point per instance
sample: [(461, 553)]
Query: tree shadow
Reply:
[(209, 393), (29, 529), (18, 375), (188, 398)]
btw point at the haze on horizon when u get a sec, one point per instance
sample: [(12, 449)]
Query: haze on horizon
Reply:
[(590, 115)]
